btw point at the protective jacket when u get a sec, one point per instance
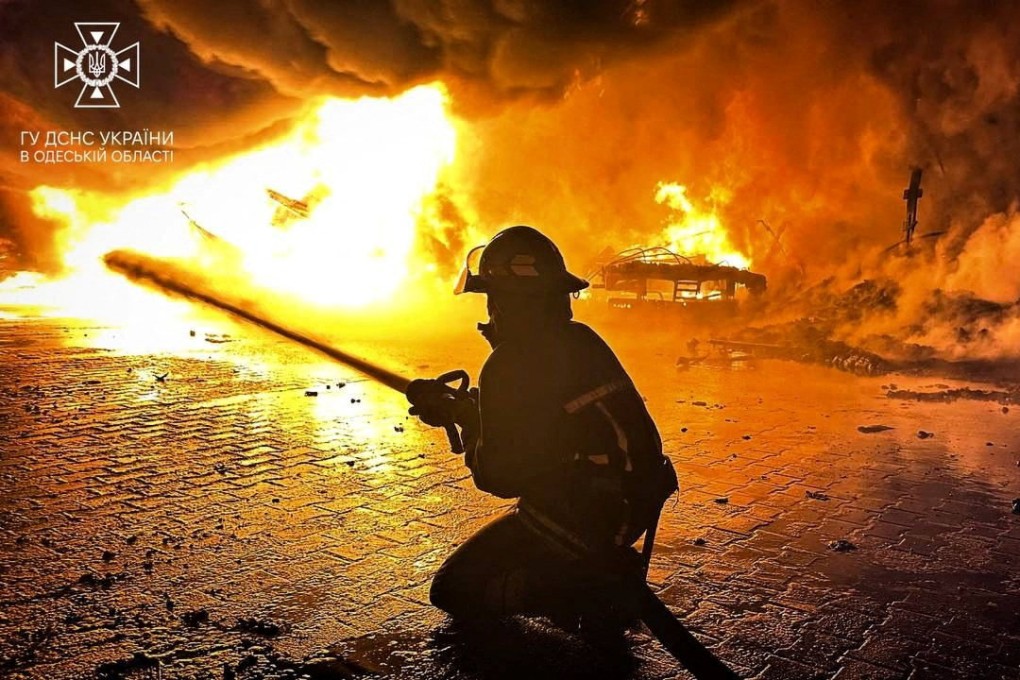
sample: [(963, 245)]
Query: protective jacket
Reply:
[(564, 429)]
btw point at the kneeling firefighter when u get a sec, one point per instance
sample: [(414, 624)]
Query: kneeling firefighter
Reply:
[(557, 423)]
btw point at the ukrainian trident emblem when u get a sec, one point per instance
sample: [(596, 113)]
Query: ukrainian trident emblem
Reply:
[(96, 65)]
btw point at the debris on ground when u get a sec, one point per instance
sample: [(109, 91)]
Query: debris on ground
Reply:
[(1016, 506), (162, 378), (841, 545), (109, 555), (700, 541), (258, 626), (801, 342), (871, 429), (331, 667), (91, 580), (722, 500), (955, 394), (687, 362), (195, 618), (816, 495), (123, 668), (922, 434), (311, 393), (218, 339)]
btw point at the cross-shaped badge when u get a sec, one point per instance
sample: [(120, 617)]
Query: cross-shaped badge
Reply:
[(96, 65)]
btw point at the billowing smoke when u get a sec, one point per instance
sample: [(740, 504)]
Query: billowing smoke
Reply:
[(797, 122), (227, 76)]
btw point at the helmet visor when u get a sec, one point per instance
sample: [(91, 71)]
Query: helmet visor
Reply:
[(469, 279)]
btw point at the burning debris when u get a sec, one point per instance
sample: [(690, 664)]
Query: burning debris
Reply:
[(290, 210), (658, 278)]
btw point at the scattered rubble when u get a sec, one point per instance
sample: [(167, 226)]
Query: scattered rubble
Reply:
[(816, 495), (723, 500), (311, 393), (956, 394), (115, 670), (1016, 506), (922, 434), (258, 626), (105, 582), (195, 618), (871, 429), (804, 345), (217, 339), (841, 545)]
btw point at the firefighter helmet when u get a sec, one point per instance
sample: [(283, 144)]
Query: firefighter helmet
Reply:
[(518, 259)]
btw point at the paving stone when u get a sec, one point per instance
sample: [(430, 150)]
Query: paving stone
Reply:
[(249, 500)]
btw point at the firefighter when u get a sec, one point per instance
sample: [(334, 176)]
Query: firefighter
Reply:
[(557, 424)]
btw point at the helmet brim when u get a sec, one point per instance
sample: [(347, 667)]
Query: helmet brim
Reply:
[(476, 283)]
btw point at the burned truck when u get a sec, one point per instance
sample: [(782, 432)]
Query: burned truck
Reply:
[(662, 281)]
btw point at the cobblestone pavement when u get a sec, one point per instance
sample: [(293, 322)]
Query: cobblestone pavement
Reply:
[(224, 521)]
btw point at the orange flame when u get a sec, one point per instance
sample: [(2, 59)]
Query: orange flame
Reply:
[(694, 232), (369, 162)]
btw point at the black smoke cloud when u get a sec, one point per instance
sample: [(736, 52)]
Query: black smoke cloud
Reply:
[(225, 75), (499, 47)]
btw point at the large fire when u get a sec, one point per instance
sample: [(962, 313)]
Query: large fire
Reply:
[(692, 231), (369, 163)]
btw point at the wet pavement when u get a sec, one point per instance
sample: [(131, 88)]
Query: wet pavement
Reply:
[(229, 506)]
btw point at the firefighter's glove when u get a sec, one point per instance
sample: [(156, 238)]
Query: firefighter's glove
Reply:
[(438, 406)]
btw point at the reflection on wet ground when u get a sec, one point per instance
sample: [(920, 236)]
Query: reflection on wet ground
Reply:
[(226, 505)]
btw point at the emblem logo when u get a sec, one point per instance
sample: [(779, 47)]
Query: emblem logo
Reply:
[(96, 65)]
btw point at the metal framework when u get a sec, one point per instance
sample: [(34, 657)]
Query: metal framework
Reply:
[(686, 281)]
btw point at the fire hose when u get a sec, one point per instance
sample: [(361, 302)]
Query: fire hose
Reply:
[(654, 613)]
